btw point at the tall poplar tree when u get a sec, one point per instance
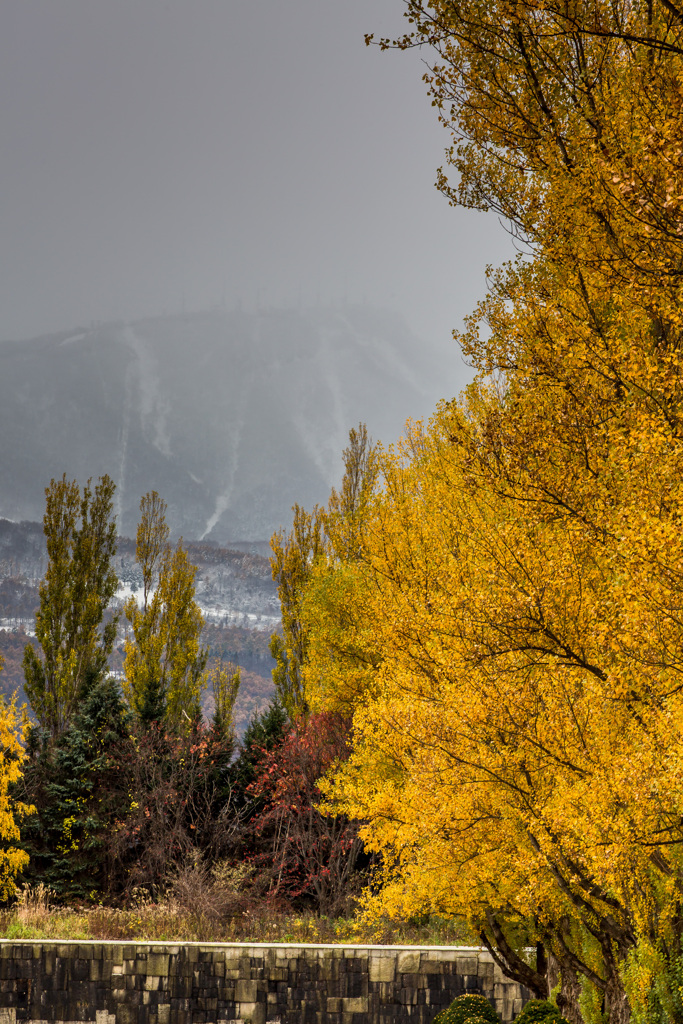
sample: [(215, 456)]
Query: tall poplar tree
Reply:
[(347, 508), (318, 556), (225, 684), (79, 584), (165, 662), (294, 555), (337, 665)]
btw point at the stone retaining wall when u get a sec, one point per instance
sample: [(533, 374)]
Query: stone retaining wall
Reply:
[(213, 983)]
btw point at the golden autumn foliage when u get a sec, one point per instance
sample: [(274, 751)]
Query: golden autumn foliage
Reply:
[(509, 636), (13, 729), (507, 758), (340, 660)]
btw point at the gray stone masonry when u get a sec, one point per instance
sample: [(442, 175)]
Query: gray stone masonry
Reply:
[(213, 983)]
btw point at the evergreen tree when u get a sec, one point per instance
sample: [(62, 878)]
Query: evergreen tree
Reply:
[(263, 734), (77, 787), (80, 532)]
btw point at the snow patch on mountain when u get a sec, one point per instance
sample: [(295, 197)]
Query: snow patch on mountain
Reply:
[(231, 416), (153, 407)]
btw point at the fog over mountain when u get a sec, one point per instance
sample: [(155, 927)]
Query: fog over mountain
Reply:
[(231, 416)]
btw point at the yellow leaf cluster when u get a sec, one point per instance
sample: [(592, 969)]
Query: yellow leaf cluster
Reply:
[(518, 711), (13, 728), (509, 636)]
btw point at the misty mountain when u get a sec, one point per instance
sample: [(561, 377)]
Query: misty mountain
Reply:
[(231, 416)]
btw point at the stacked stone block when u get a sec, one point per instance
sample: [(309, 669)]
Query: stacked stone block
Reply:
[(212, 983)]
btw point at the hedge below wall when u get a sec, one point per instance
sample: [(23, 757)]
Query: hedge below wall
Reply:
[(214, 983)]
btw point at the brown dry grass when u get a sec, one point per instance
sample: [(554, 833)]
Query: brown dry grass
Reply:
[(168, 920)]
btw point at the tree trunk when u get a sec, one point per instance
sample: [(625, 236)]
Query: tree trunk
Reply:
[(570, 990), (617, 1006)]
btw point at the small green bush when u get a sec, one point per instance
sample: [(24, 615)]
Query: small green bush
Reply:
[(468, 1009), (540, 1011)]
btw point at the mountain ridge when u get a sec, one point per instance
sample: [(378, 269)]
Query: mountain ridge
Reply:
[(231, 416)]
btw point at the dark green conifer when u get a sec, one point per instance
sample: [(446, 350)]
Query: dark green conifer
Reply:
[(263, 733), (77, 787)]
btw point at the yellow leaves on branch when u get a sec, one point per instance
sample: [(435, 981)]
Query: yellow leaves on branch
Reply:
[(522, 722), (317, 571), (509, 636), (13, 728)]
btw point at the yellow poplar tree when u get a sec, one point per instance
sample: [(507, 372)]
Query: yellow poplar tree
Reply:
[(294, 555), (486, 748), (225, 682), (319, 574), (164, 665), (518, 754), (80, 535), (341, 660)]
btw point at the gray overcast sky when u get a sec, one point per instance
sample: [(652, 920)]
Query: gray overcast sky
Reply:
[(161, 152)]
